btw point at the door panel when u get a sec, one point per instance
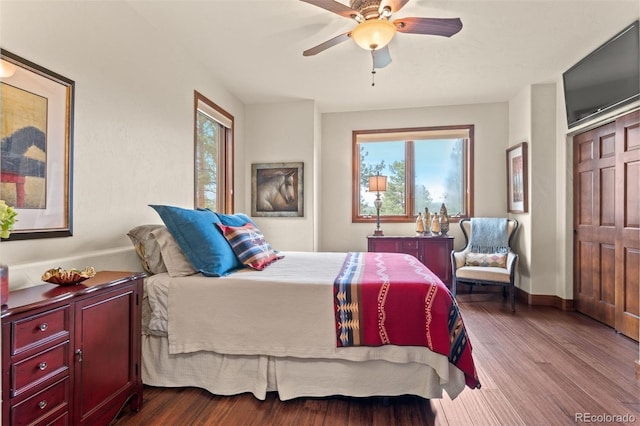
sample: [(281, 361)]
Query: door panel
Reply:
[(594, 222), (586, 198), (607, 275), (607, 223), (585, 270), (632, 278), (628, 224), (632, 213), (608, 196), (608, 145), (103, 335)]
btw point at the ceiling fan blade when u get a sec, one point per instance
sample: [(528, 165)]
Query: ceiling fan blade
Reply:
[(381, 58), (445, 27), (392, 5), (327, 44), (335, 7)]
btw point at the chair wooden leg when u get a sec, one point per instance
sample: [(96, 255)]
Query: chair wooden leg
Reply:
[(512, 296)]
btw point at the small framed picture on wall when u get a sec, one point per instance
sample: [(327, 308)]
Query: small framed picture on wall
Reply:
[(517, 188)]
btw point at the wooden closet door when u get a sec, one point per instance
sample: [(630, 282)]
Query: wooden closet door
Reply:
[(628, 224), (594, 159), (606, 179)]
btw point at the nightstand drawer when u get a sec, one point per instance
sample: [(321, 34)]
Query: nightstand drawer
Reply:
[(41, 404), (38, 329), (61, 420), (39, 368), (410, 244)]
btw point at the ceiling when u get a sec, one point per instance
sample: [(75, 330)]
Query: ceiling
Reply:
[(254, 48)]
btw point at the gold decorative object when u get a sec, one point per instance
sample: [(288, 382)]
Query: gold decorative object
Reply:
[(435, 224), (444, 220), (419, 224), (73, 276), (427, 221)]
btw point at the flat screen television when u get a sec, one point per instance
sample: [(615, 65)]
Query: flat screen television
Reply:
[(607, 78)]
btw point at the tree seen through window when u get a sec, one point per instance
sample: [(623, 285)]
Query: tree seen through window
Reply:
[(424, 169)]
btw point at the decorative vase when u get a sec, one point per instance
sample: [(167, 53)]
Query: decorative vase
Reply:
[(427, 221), (435, 224), (4, 284), (444, 220), (419, 224)]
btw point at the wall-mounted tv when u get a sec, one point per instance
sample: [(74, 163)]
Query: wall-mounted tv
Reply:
[(607, 78)]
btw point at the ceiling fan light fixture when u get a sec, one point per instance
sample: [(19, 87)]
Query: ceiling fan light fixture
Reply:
[(373, 34), (7, 69)]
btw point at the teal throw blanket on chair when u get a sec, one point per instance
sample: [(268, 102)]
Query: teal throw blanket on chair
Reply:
[(488, 235)]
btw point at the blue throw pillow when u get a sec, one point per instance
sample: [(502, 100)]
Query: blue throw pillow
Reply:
[(200, 240), (237, 219)]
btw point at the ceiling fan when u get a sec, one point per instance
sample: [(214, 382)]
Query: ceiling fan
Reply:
[(374, 30)]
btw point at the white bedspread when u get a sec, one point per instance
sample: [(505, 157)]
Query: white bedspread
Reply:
[(284, 311)]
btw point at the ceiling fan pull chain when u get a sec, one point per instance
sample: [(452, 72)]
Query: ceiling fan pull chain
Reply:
[(373, 69)]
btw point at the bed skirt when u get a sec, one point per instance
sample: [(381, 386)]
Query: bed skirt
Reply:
[(290, 377)]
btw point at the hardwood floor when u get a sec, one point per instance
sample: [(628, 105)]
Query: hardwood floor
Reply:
[(539, 366)]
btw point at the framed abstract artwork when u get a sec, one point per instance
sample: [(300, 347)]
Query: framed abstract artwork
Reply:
[(36, 159), (517, 177), (276, 189)]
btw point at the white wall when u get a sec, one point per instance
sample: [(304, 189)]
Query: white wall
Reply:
[(520, 131), (564, 200), (133, 129), (491, 135), (278, 133), (317, 180), (532, 119), (542, 189)]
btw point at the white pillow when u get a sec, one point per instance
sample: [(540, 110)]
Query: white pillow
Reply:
[(174, 259), (147, 248)]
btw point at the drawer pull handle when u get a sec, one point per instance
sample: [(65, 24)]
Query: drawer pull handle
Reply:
[(79, 354), (43, 327), (42, 366), (42, 404)]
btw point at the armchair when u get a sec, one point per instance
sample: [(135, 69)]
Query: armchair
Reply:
[(487, 257)]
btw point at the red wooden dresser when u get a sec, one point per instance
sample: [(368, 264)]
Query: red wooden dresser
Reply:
[(71, 354)]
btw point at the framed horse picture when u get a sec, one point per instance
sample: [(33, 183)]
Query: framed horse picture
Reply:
[(277, 189)]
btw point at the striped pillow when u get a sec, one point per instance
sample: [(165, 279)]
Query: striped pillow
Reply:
[(497, 260), (249, 245)]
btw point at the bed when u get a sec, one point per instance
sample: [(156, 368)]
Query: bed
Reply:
[(302, 326)]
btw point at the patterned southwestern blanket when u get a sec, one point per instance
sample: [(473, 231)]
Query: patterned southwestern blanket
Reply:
[(393, 299)]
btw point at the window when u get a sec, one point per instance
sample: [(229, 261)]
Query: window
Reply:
[(213, 136), (425, 167)]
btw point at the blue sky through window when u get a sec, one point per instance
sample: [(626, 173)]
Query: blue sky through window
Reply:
[(433, 162)]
